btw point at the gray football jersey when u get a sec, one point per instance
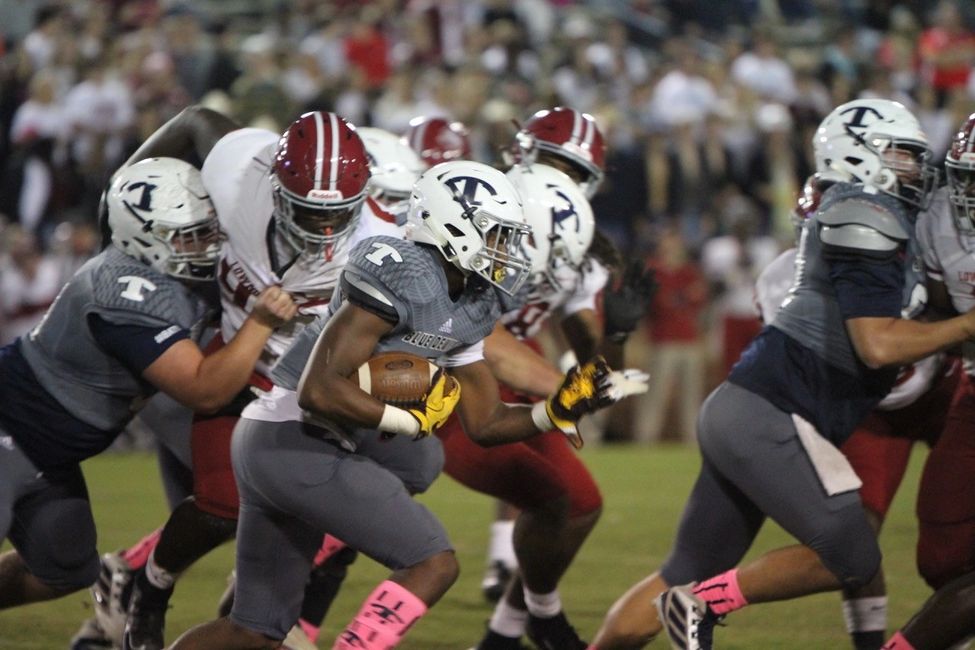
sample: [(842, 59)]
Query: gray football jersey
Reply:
[(851, 219), (406, 280), (92, 385)]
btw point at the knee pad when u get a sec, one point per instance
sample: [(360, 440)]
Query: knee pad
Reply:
[(70, 571), (848, 547)]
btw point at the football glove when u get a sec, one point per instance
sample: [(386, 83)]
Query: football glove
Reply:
[(626, 302), (440, 401), (587, 389)]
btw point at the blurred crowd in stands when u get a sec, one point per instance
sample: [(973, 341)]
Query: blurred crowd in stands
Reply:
[(708, 108)]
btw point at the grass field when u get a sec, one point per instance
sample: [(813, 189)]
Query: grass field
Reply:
[(644, 491)]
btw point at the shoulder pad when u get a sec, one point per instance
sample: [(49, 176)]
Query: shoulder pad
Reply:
[(860, 224), (397, 268), (137, 294)]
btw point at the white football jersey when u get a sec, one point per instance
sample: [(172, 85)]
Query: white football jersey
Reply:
[(577, 290), (772, 287), (236, 174), (949, 257)]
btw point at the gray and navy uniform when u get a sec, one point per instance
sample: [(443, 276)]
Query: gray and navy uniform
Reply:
[(68, 389), (300, 476), (858, 257)]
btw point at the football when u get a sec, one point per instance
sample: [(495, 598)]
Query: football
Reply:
[(396, 378)]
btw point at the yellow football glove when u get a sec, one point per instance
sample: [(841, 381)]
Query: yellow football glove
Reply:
[(585, 390), (438, 405)]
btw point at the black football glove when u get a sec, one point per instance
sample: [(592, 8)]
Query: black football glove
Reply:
[(626, 302)]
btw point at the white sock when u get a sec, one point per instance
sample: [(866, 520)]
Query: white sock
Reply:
[(543, 605), (501, 547), (865, 614), (508, 621), (157, 576)]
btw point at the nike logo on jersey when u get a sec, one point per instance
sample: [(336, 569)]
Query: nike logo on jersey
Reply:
[(448, 327)]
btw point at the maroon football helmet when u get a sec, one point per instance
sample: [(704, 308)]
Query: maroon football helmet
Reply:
[(319, 178), (437, 140), (807, 204), (960, 170), (570, 136)]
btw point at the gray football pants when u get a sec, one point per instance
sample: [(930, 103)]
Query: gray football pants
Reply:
[(754, 466), (294, 488)]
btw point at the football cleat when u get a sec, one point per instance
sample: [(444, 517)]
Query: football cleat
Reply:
[(688, 619), (495, 581), (90, 636), (554, 633), (111, 593), (147, 616)]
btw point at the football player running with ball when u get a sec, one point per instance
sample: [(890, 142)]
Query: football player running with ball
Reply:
[(435, 295), (122, 328)]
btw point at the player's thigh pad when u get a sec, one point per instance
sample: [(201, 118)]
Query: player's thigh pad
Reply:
[(416, 462), (755, 446), (334, 491)]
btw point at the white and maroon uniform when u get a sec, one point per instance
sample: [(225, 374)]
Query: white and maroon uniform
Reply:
[(531, 473), (880, 447), (236, 174), (946, 498)]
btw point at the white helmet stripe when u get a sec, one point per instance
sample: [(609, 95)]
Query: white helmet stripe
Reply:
[(578, 127), (319, 150), (333, 172), (418, 135)]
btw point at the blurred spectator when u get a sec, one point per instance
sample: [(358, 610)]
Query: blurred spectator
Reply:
[(731, 264), (946, 50), (29, 282), (42, 42), (367, 49), (762, 70), (677, 366), (73, 244), (777, 170)]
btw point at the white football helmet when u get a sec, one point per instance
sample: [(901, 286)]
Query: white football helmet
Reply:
[(160, 213), (560, 217), (879, 143), (474, 216), (393, 165)]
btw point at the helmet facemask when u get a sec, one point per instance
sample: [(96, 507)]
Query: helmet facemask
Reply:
[(194, 249), (961, 194), (313, 228), (501, 260)]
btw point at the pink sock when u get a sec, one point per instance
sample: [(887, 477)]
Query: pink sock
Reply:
[(311, 631), (137, 555), (898, 642), (721, 593), (330, 546), (385, 617)]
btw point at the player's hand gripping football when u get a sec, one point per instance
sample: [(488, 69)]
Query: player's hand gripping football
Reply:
[(587, 389), (627, 301), (274, 308), (440, 401)]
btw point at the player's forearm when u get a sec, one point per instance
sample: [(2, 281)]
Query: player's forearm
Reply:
[(510, 423), (525, 372), (900, 341), (224, 373), (338, 399)]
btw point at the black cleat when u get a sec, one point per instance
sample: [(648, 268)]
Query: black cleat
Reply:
[(147, 616), (495, 581), (554, 633)]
